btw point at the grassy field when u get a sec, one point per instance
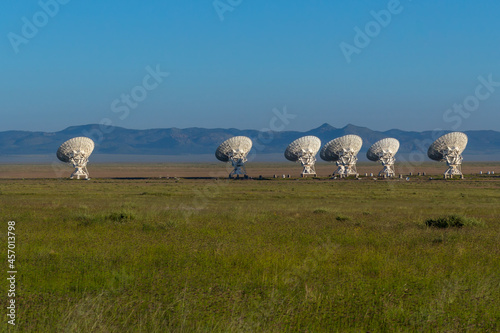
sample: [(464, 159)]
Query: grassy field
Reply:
[(277, 255)]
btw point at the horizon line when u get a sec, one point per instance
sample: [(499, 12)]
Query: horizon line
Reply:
[(248, 129)]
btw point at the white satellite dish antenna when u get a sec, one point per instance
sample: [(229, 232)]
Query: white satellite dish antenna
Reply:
[(235, 150), (304, 150), (343, 151), (449, 148), (384, 151), (76, 151)]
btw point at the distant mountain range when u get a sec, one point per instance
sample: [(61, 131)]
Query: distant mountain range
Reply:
[(175, 141)]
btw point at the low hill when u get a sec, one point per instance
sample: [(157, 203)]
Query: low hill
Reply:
[(175, 141)]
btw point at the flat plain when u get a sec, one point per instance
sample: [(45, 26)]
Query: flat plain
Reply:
[(140, 253), (220, 170)]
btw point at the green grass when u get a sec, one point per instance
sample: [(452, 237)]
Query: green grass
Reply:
[(247, 256)]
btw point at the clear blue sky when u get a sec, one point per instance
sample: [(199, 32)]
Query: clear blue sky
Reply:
[(263, 55)]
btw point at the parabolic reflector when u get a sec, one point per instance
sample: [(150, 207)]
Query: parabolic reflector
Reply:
[(457, 140), (332, 151), (235, 150), (304, 150), (382, 147), (236, 145), (76, 151), (344, 151), (449, 148), (304, 145), (79, 144), (384, 151)]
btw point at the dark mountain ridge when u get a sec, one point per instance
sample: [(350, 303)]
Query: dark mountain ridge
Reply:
[(195, 140)]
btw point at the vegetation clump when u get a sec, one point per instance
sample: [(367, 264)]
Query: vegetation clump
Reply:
[(342, 218), (452, 221), (122, 216)]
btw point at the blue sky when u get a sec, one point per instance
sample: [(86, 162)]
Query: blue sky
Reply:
[(230, 63)]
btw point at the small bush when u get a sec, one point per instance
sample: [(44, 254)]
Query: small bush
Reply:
[(320, 211), (342, 218), (86, 219), (122, 216), (453, 221)]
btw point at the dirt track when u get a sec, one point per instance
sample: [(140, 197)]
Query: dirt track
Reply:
[(155, 170)]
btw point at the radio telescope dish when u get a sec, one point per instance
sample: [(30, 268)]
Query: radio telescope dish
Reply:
[(76, 151), (343, 151), (304, 150), (449, 148), (384, 151), (235, 150)]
